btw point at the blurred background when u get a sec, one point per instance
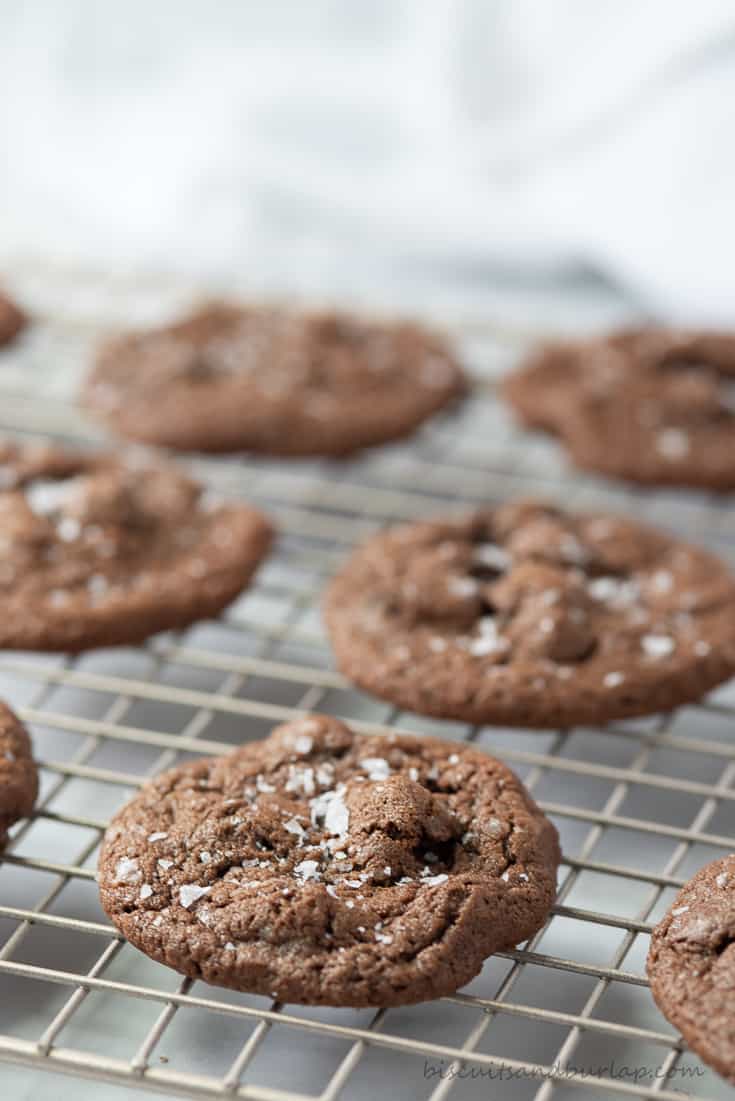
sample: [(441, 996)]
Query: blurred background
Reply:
[(515, 153)]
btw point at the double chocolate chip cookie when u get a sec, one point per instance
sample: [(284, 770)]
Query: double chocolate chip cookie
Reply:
[(233, 378), (18, 776), (12, 319), (691, 964), (648, 405), (322, 867), (530, 616), (97, 551)]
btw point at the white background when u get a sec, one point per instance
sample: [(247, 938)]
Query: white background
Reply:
[(328, 144)]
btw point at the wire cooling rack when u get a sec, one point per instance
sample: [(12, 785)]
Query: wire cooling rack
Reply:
[(639, 806)]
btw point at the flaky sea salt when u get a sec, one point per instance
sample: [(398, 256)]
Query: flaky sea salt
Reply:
[(662, 581), (490, 554), (463, 587), (613, 590), (307, 869), (377, 768), (189, 893), (45, 495), (68, 529), (489, 642), (672, 443), (127, 871), (657, 646), (330, 810), (301, 779), (294, 826), (325, 774)]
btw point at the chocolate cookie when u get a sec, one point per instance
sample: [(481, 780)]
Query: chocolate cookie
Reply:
[(12, 319), (100, 552), (691, 964), (235, 378), (18, 776), (322, 867), (651, 406), (530, 616)]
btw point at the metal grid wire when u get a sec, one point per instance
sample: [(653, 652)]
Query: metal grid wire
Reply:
[(639, 805)]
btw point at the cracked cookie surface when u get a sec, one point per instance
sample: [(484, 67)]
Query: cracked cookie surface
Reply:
[(100, 552), (18, 776), (324, 867), (232, 378), (12, 319), (691, 964), (530, 616), (647, 405)]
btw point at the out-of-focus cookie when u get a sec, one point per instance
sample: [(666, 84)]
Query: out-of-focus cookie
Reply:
[(691, 964), (651, 406), (233, 378), (97, 551), (322, 867), (12, 319), (530, 616), (18, 776)]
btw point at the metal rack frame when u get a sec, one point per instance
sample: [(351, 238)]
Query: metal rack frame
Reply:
[(267, 661)]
